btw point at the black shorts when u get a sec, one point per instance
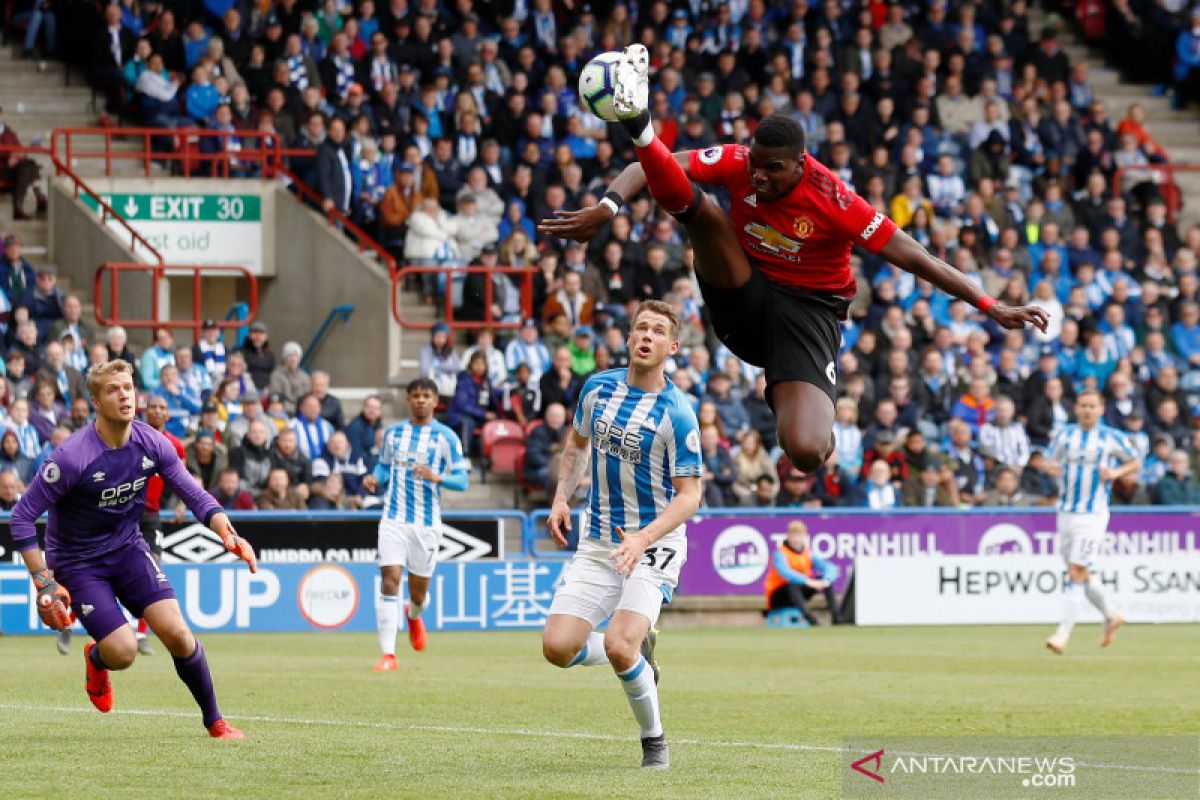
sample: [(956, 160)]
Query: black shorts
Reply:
[(791, 333), (151, 527)]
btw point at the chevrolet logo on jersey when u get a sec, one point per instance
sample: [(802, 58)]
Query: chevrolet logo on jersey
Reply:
[(771, 239)]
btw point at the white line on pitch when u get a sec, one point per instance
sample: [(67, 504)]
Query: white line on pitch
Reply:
[(603, 737)]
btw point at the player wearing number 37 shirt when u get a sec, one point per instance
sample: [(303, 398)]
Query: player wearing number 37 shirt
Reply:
[(644, 443)]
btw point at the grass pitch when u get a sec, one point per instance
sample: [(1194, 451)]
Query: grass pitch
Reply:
[(750, 713)]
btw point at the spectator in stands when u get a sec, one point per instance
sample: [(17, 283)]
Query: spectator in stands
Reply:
[(285, 453), (251, 410), (258, 358), (1005, 436), (335, 179), (26, 345), (527, 348), (1187, 63), (229, 493), (560, 384), (542, 447), (155, 357), (329, 494), (194, 376), (970, 473), (439, 361), (28, 438), (111, 48), (977, 407), (878, 492), (1008, 490), (331, 407), (473, 403), (205, 458), (751, 462), (312, 430), (12, 460), (363, 429), (68, 382), (21, 173), (1178, 486), (398, 204), (571, 301), (1185, 334), (280, 495), (485, 342), (339, 460), (733, 414), (10, 490), (72, 322), (45, 301), (288, 380), (719, 473), (932, 486), (46, 411)]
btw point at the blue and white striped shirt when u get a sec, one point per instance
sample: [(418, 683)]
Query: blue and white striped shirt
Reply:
[(640, 441), (535, 355), (406, 446), (1082, 454)]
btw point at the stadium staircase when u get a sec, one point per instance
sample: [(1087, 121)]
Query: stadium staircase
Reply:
[(1177, 131)]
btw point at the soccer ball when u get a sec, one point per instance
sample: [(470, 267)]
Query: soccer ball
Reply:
[(597, 83)]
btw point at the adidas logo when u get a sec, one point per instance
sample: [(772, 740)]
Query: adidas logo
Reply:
[(87, 609), (751, 200), (147, 463), (98, 477)]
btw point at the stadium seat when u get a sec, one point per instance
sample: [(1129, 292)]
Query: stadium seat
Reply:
[(525, 486), (533, 423), (501, 440), (786, 618)]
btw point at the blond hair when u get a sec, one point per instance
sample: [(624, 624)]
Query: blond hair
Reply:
[(662, 309), (100, 373)]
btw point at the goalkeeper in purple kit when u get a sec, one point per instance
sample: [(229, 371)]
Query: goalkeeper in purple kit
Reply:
[(94, 486)]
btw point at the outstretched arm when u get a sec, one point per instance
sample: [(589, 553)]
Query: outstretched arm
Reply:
[(585, 223), (905, 252)]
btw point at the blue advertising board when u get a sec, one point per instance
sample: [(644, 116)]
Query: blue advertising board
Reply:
[(505, 595)]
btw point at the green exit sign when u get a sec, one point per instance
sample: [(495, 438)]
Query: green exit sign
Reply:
[(183, 207)]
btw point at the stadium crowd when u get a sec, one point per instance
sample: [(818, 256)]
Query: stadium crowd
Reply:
[(447, 132)]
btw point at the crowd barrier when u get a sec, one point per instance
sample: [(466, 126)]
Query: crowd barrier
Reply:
[(947, 565)]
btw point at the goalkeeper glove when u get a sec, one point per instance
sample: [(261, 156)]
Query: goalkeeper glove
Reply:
[(239, 547), (53, 601)]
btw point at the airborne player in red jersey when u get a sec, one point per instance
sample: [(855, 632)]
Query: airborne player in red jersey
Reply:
[(775, 271)]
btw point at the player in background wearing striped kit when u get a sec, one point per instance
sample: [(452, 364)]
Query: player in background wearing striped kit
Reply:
[(646, 466), (1086, 457), (419, 457)]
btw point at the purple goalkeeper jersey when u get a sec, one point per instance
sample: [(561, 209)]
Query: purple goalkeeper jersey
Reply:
[(97, 494)]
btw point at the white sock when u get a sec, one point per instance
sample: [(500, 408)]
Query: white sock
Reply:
[(1073, 598), (414, 610), (592, 653), (1099, 598), (644, 138), (387, 622), (638, 683)]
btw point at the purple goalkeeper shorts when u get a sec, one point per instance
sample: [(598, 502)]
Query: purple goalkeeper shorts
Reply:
[(128, 576)]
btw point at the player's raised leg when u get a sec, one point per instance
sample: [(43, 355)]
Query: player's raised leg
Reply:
[(804, 422), (387, 615), (623, 643), (191, 663)]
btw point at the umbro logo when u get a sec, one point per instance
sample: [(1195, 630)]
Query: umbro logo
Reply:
[(147, 463), (650, 425), (86, 609), (98, 477), (751, 200)]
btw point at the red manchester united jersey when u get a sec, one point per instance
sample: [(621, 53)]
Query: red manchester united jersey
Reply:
[(802, 239), (154, 486)]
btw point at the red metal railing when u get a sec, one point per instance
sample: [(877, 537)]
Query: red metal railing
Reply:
[(70, 145), (79, 187), (335, 217), (157, 272), (1164, 178), (526, 274)]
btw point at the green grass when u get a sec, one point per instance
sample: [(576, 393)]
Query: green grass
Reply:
[(750, 712)]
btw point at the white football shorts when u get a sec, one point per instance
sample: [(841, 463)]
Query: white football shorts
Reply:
[(414, 547), (1081, 536), (592, 590)]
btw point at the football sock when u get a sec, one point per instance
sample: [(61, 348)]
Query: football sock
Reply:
[(592, 653), (415, 611), (1071, 601), (387, 621), (638, 683), (668, 183), (142, 627), (193, 671), (640, 128), (1099, 598), (94, 657)]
